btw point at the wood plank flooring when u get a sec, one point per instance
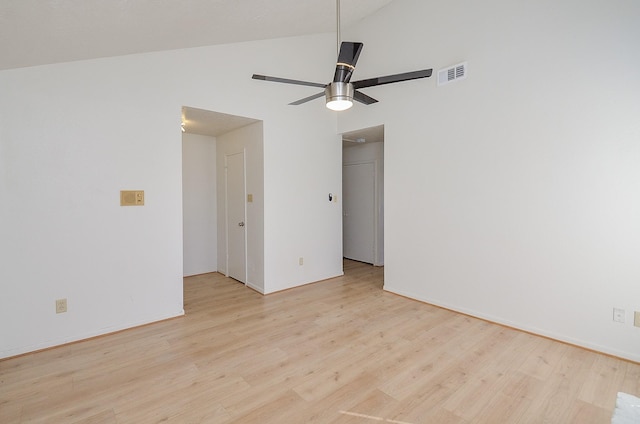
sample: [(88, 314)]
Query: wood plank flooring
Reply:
[(338, 351)]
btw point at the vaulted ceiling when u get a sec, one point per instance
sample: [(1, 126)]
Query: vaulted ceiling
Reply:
[(37, 32)]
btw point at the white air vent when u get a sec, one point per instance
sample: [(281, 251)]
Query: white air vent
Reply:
[(452, 73)]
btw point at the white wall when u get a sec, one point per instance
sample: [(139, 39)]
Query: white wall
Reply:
[(80, 133), (521, 182), (73, 135), (300, 172), (199, 210), (248, 139), (372, 152)]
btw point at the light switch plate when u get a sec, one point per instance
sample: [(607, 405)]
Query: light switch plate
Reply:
[(132, 198), (636, 318)]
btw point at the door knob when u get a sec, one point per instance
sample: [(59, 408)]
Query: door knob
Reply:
[(240, 224)]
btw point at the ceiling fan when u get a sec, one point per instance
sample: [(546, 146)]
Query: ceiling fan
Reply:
[(341, 92)]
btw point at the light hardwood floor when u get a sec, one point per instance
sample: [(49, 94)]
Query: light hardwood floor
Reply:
[(338, 351)]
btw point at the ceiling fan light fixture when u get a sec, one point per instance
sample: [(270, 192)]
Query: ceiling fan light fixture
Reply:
[(339, 95)]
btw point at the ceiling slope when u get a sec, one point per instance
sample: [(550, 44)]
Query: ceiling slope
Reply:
[(37, 32)]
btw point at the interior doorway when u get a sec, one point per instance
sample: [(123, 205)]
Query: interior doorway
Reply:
[(209, 141), (363, 195)]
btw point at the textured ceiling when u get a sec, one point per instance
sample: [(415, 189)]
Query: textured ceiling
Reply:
[(37, 32)]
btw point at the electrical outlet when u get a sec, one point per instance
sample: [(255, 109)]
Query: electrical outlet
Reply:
[(636, 318), (618, 315), (61, 306), (301, 261)]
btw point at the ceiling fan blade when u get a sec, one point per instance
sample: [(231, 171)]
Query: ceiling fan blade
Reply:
[(347, 59), (306, 99), (363, 98), (392, 78), (287, 81), (349, 52)]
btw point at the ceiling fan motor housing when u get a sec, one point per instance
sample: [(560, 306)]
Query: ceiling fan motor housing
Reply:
[(339, 92)]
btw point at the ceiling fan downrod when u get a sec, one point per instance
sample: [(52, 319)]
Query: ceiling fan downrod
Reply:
[(338, 38)]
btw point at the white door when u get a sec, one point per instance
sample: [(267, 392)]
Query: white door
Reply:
[(235, 217), (358, 213)]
